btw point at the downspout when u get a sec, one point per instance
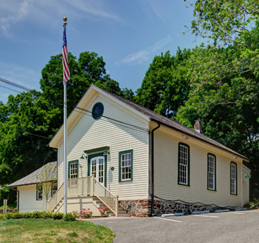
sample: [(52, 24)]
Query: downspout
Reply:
[(152, 166), (18, 203)]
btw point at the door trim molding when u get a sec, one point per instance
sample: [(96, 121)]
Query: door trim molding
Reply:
[(105, 165)]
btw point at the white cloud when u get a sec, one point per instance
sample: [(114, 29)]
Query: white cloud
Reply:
[(48, 12), (143, 55)]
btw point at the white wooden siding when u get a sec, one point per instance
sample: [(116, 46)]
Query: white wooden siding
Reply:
[(245, 184), (166, 172), (88, 133), (28, 202)]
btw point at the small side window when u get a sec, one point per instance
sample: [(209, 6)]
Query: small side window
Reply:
[(38, 192), (73, 173), (125, 165)]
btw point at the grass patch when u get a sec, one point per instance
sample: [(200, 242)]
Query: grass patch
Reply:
[(73, 234), (42, 231)]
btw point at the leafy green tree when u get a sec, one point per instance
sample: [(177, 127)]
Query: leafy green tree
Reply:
[(231, 25), (165, 86), (88, 69), (20, 152)]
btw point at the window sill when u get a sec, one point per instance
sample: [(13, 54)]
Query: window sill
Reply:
[(126, 181), (183, 185), (211, 190), (233, 194)]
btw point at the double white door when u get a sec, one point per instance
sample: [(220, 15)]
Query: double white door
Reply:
[(97, 168)]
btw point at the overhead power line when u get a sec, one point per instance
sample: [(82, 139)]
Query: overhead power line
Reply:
[(83, 111), (10, 89), (14, 84)]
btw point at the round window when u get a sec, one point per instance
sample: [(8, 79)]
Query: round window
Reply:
[(97, 111)]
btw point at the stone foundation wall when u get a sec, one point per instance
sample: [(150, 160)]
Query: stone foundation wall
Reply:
[(142, 208)]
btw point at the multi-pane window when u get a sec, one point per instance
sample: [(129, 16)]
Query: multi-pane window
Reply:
[(73, 173), (183, 176), (101, 167), (38, 192), (94, 168), (233, 178), (211, 172), (125, 166)]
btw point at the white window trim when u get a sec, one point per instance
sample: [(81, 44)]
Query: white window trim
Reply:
[(180, 164), (213, 173), (121, 167), (72, 179)]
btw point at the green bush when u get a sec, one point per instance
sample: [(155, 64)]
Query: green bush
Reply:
[(26, 215), (69, 217), (36, 214), (16, 215), (42, 215), (46, 215), (58, 215), (7, 215)]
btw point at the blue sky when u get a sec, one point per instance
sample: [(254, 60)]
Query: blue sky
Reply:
[(128, 34)]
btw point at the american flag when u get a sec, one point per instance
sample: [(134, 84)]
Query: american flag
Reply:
[(66, 74)]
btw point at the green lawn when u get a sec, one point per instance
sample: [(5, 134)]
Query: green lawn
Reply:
[(40, 230)]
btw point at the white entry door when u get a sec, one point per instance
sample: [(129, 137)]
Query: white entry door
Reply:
[(97, 168)]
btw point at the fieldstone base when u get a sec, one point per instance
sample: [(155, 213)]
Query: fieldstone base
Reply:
[(142, 208)]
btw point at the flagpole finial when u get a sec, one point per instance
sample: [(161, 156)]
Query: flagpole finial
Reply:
[(65, 19)]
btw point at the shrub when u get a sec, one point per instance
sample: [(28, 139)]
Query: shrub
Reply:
[(26, 215), (58, 215), (46, 215), (2, 216), (7, 215), (36, 214), (16, 215), (103, 210), (69, 217), (85, 213)]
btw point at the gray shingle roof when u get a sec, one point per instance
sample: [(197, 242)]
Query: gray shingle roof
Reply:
[(33, 177), (174, 125)]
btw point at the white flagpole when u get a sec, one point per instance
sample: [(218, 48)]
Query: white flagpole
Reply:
[(65, 140)]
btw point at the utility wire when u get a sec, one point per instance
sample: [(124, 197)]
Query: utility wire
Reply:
[(80, 110), (10, 89), (14, 84)]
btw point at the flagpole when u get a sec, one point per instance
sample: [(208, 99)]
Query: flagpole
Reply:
[(65, 137)]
